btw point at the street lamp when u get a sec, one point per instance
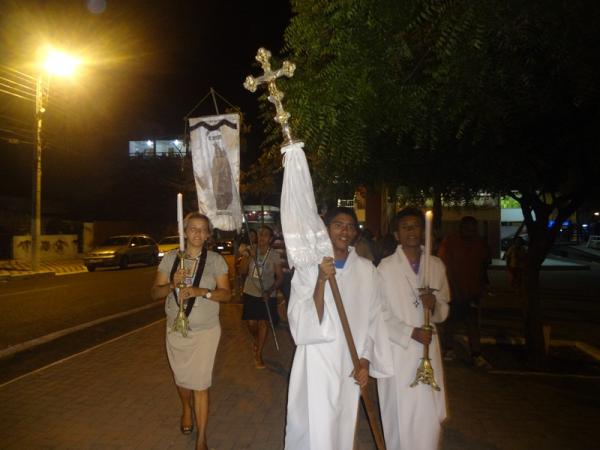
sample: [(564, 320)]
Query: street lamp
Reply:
[(56, 63)]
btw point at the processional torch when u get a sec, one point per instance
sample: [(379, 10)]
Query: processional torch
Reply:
[(425, 370), (181, 323), (306, 237)]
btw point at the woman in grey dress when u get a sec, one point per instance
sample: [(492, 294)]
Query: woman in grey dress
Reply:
[(192, 357)]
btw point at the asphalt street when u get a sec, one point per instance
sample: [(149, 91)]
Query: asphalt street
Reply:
[(35, 307), (570, 299)]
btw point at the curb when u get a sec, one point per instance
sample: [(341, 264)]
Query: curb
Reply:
[(550, 267), (8, 274), (25, 276), (590, 350)]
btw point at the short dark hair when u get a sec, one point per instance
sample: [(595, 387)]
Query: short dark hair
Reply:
[(333, 212), (409, 211)]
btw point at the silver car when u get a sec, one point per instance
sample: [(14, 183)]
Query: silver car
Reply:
[(121, 251)]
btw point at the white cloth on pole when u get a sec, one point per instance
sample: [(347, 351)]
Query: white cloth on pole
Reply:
[(411, 416), (323, 397), (215, 146), (305, 234)]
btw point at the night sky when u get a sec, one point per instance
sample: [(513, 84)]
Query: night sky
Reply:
[(150, 63)]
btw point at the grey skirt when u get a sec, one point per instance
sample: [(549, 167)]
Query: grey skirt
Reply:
[(192, 358)]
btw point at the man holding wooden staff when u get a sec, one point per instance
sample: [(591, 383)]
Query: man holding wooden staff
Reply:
[(412, 408), (338, 329), (324, 388)]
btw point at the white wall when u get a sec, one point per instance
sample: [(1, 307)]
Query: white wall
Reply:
[(52, 247)]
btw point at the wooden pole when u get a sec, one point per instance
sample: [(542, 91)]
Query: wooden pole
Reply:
[(364, 392)]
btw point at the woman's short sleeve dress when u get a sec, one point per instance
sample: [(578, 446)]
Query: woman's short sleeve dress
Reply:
[(192, 357)]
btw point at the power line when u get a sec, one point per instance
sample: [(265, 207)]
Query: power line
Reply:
[(24, 86), (18, 129), (12, 140), (18, 73), (18, 96), (28, 124), (17, 90)]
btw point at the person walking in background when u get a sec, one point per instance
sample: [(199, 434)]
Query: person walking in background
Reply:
[(412, 416), (365, 246), (264, 275), (244, 250), (387, 245), (467, 257), (192, 357)]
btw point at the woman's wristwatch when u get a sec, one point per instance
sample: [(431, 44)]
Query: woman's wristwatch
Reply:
[(208, 294)]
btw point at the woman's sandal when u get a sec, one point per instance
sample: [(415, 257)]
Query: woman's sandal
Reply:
[(186, 429)]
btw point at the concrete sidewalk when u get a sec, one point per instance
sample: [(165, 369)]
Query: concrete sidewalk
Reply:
[(550, 263), (120, 395)]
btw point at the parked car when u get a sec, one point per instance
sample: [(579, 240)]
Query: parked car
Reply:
[(166, 244), (122, 251), (223, 247)]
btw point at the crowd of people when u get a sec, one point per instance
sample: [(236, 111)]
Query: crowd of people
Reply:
[(387, 288)]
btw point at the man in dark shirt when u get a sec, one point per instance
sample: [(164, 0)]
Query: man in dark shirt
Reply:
[(467, 258)]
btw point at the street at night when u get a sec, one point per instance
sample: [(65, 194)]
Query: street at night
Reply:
[(37, 307), (299, 225)]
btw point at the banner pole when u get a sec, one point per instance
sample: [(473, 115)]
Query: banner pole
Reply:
[(212, 93)]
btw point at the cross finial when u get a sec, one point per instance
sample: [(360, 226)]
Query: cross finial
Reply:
[(275, 95)]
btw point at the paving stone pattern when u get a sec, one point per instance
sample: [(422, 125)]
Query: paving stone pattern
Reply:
[(121, 396)]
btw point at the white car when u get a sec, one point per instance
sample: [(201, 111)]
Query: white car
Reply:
[(122, 251)]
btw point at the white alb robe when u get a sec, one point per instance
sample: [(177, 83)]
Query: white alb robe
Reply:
[(323, 397), (411, 416)]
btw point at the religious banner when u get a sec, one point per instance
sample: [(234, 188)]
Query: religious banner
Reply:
[(215, 147)]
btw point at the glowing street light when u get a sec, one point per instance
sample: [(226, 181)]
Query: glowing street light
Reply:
[(60, 64)]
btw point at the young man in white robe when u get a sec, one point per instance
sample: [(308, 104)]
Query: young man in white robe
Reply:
[(324, 390), (412, 416)]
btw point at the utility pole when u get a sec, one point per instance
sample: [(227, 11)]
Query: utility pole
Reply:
[(36, 185)]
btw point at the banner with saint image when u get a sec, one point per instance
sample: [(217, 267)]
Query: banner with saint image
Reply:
[(215, 146)]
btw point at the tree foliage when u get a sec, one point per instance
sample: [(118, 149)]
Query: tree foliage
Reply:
[(453, 97), (263, 178), (463, 95)]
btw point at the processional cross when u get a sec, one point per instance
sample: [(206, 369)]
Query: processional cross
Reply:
[(275, 95)]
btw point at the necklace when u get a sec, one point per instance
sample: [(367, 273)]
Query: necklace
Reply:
[(417, 300), (259, 263), (415, 265)]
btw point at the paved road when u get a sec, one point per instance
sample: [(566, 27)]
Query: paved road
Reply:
[(571, 302), (31, 308), (36, 307)]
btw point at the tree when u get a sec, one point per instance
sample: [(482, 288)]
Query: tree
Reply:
[(263, 177), (451, 97)]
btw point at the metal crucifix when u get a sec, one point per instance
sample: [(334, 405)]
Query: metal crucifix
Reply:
[(275, 95)]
